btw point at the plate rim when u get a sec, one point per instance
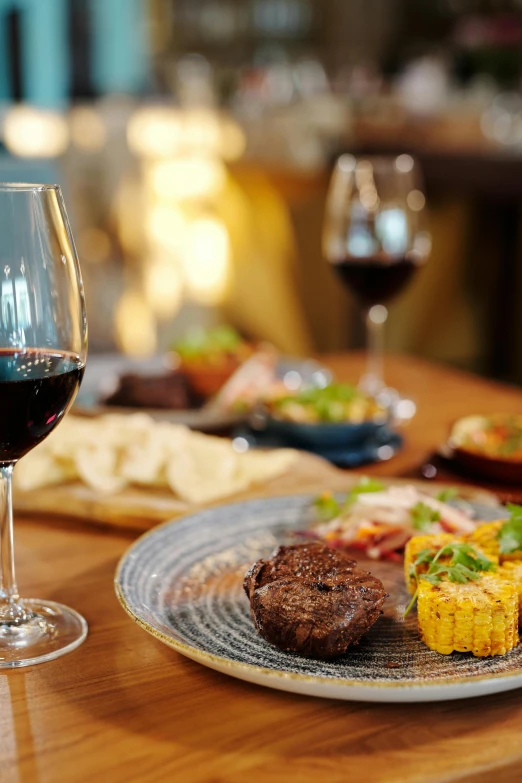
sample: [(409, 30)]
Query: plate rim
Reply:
[(266, 673)]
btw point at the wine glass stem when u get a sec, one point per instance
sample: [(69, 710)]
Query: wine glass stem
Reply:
[(11, 609), (373, 381)]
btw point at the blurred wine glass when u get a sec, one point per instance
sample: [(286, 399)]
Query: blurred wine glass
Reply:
[(373, 238)]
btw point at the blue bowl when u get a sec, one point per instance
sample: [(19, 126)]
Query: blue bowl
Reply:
[(324, 437)]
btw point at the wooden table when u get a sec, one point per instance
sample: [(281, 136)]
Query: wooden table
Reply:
[(124, 707)]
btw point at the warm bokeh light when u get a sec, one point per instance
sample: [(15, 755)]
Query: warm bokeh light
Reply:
[(233, 139), (404, 163), (166, 226), (416, 200), (129, 209), (88, 131), (35, 133), (135, 325), (201, 131), (94, 245), (369, 197), (187, 178), (155, 132), (163, 287), (207, 260), (186, 250)]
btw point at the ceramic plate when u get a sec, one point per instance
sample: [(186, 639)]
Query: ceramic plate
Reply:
[(101, 377), (182, 582)]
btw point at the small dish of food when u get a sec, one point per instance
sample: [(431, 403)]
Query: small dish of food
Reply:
[(208, 358), (489, 446), (176, 387), (325, 419)]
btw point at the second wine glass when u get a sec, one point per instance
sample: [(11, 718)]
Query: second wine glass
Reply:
[(374, 238)]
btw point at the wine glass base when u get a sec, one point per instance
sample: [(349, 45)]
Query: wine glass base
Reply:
[(52, 630)]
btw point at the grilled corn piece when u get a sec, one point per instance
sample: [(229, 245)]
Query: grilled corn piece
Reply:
[(486, 538), (512, 571), (413, 549), (480, 617)]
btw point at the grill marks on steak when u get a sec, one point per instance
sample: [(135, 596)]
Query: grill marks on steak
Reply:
[(313, 600), (313, 561)]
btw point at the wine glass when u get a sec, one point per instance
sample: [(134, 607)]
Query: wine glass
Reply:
[(43, 345), (374, 240)]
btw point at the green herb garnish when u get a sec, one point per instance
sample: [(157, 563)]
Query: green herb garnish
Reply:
[(366, 484), (199, 342), (327, 507), (465, 565), (333, 403), (447, 494), (510, 534), (422, 517)]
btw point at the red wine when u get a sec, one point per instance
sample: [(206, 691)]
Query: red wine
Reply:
[(374, 280), (36, 389)]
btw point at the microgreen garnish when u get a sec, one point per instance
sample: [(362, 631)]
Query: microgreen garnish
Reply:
[(450, 493), (422, 517), (510, 534), (328, 403), (366, 484), (465, 565), (328, 508)]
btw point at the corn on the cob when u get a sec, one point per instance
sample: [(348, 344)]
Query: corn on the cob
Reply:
[(486, 537), (512, 571), (415, 546), (479, 616)]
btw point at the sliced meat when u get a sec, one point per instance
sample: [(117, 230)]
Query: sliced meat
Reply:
[(312, 600)]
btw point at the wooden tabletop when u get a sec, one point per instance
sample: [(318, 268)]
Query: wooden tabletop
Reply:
[(124, 707)]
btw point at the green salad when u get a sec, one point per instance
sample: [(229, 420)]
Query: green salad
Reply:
[(211, 345), (338, 402)]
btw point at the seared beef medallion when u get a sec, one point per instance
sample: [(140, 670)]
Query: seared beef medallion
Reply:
[(313, 600)]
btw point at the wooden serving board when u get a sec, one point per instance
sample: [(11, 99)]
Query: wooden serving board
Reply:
[(142, 509)]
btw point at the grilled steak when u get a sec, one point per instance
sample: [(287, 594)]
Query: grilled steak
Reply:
[(312, 600)]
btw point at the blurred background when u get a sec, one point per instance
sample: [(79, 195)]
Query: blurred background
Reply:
[(194, 141)]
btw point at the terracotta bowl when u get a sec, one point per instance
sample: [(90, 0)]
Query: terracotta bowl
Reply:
[(207, 379)]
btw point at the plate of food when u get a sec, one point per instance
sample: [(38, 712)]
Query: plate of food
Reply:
[(337, 421), (257, 590), (488, 446), (177, 386)]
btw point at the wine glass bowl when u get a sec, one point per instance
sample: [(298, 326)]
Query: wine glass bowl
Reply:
[(43, 346), (374, 239)]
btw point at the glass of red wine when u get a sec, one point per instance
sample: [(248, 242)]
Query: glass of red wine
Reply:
[(373, 238), (43, 345)]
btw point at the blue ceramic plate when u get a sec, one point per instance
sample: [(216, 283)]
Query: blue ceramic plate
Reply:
[(182, 582)]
